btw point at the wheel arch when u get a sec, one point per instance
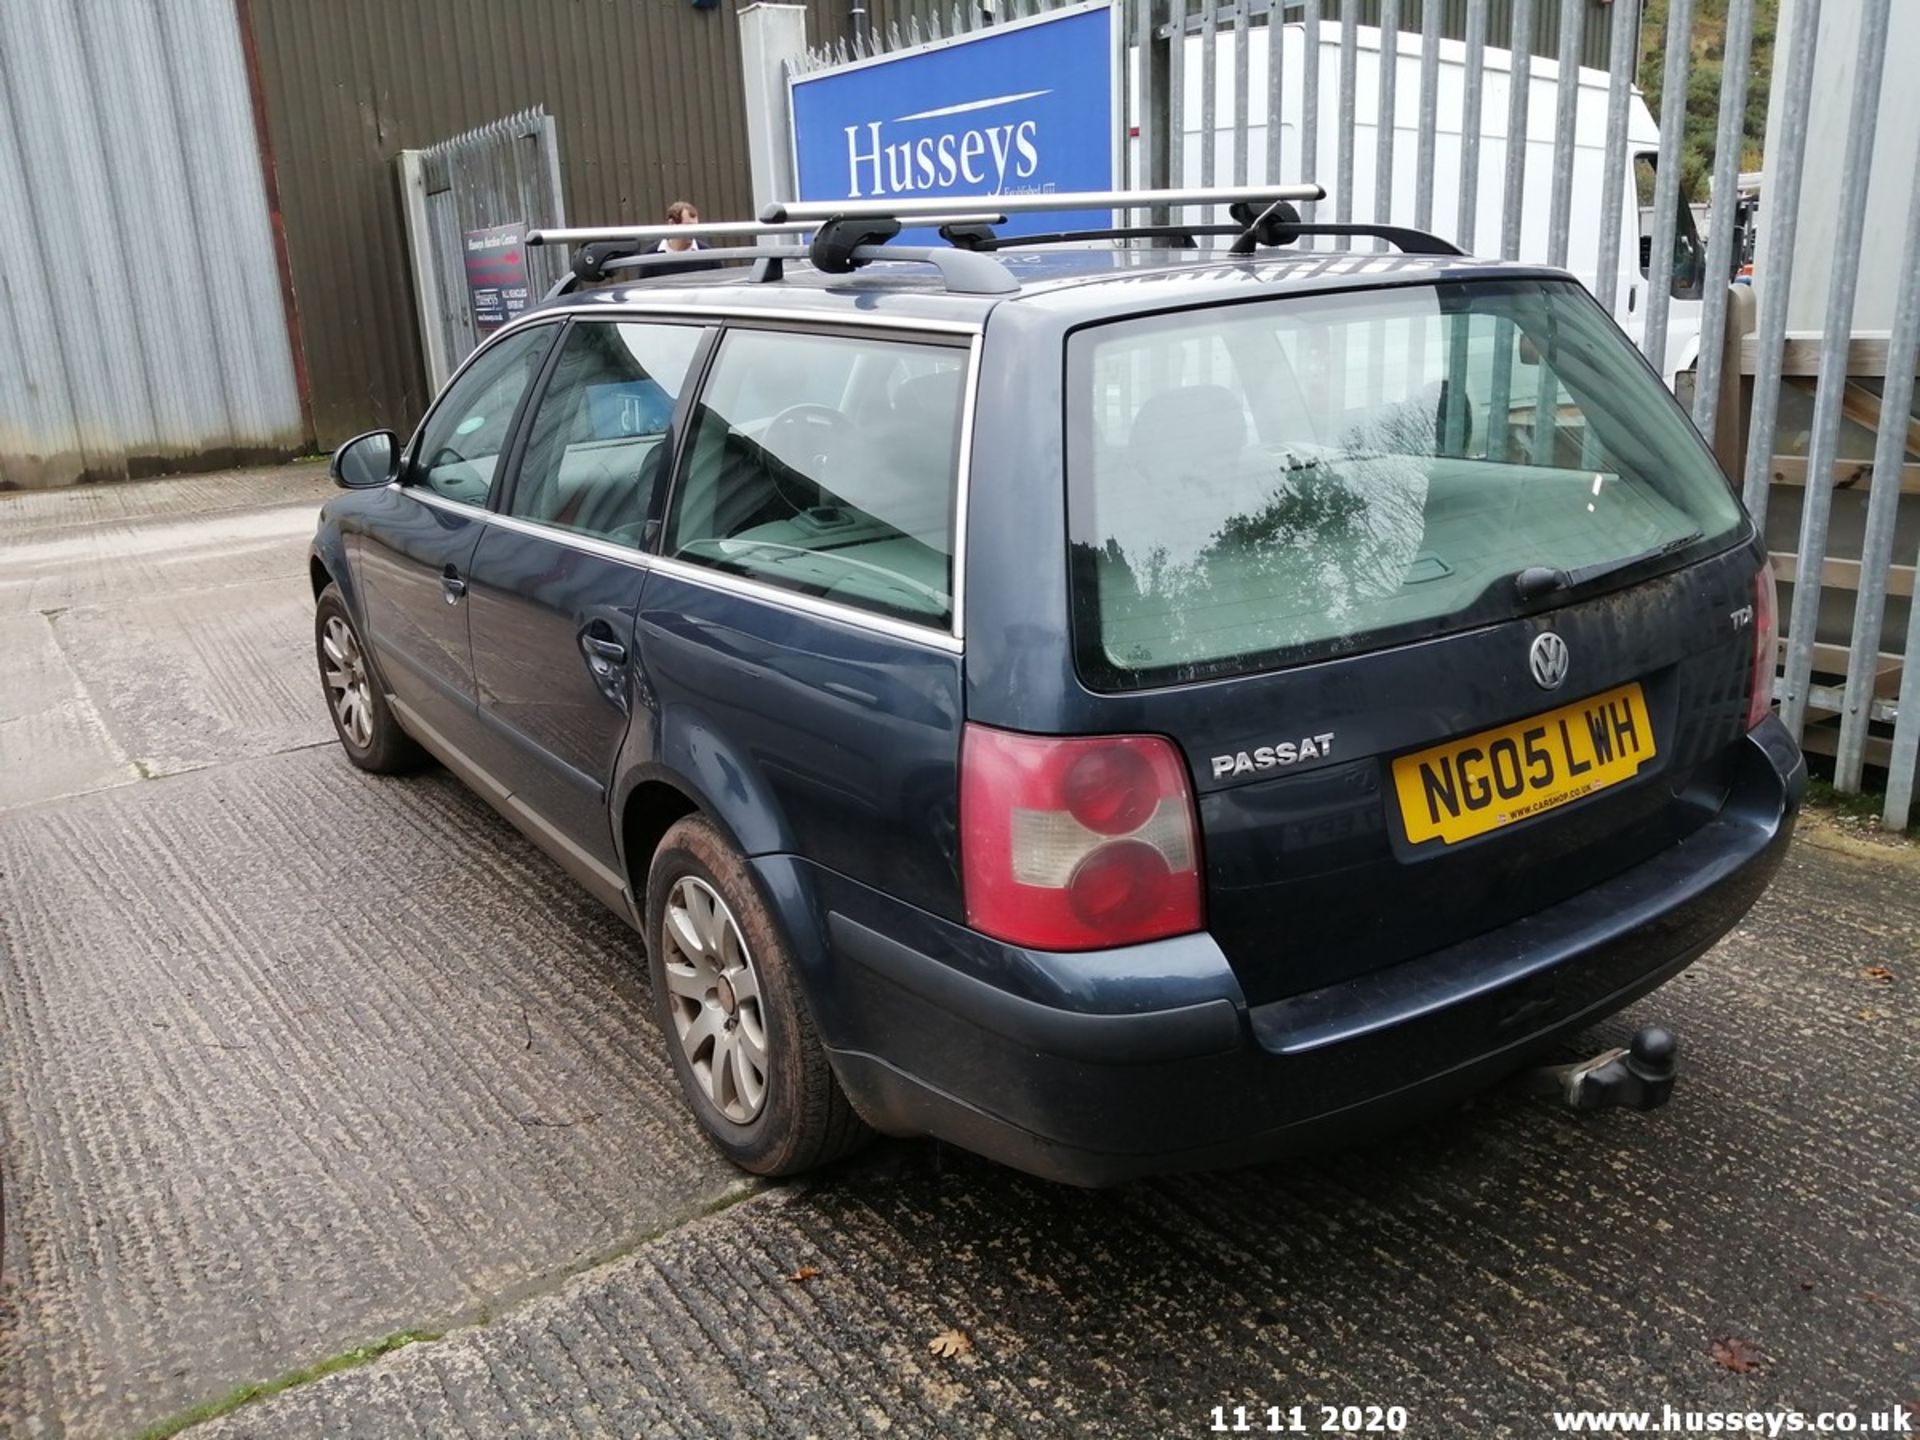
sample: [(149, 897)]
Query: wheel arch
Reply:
[(327, 565), (652, 807)]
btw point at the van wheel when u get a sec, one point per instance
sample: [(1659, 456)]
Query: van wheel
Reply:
[(368, 732), (728, 1003)]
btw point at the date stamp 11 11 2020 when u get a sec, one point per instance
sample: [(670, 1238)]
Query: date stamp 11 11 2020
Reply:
[(1308, 1420)]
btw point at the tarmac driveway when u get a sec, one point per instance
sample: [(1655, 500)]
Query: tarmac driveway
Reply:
[(293, 1059)]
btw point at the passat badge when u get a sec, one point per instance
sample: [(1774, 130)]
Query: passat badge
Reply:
[(1548, 660), (1269, 757)]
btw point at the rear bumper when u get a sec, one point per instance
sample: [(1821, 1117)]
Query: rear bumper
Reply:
[(1095, 1068)]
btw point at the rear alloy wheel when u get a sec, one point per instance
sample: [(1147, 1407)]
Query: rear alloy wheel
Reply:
[(368, 732), (750, 1064), (714, 999)]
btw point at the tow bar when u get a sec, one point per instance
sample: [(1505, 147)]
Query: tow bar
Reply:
[(1640, 1077)]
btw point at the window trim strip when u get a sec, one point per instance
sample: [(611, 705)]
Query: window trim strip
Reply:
[(962, 486), (701, 575), (720, 314)]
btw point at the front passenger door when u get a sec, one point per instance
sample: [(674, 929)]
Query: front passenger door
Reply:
[(421, 534)]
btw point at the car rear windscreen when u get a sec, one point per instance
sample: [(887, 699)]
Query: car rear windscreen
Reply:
[(1258, 484)]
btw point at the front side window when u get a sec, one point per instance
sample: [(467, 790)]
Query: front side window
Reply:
[(597, 445), (826, 464), (459, 451), (1255, 485)]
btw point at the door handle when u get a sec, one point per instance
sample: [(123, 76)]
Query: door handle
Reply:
[(606, 652), (606, 662), (453, 585)]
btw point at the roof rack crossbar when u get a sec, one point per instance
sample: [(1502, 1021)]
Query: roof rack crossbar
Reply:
[(921, 208), (710, 229), (645, 234)]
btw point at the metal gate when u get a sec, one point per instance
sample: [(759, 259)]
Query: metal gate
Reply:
[(1847, 435), (506, 173)]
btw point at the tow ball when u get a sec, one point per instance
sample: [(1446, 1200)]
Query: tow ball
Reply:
[(1640, 1076)]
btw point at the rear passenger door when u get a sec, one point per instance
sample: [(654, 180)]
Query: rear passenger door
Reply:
[(557, 576), (797, 628)]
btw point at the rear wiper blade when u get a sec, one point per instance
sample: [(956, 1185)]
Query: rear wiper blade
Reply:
[(1537, 580)]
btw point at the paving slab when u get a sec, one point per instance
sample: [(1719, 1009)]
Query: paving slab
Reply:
[(105, 544), (189, 678), (156, 627), (1489, 1269), (101, 507), (53, 739), (295, 1057)]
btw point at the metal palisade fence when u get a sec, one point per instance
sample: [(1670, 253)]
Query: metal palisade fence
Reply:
[(1596, 187), (502, 174)]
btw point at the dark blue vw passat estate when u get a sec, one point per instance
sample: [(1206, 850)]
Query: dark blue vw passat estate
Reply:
[(1114, 710)]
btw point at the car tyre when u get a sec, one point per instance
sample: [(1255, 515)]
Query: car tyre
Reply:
[(729, 1007), (368, 731)]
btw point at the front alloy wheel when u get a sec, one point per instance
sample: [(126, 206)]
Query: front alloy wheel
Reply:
[(346, 676), (368, 732)]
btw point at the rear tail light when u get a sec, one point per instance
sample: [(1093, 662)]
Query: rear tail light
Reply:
[(1765, 625), (1076, 844)]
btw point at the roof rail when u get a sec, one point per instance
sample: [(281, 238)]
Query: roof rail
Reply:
[(1246, 239), (1279, 224), (599, 260)]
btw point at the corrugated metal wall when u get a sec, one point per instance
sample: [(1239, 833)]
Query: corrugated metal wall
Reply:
[(141, 322), (648, 98)]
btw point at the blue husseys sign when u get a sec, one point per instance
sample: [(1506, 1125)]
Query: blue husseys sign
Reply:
[(1030, 107)]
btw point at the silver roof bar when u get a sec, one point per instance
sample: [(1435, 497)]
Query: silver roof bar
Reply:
[(707, 229), (925, 209)]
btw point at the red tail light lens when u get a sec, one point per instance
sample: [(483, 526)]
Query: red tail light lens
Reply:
[(1077, 844), (1766, 626)]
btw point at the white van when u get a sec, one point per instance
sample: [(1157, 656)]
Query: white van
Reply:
[(1590, 128)]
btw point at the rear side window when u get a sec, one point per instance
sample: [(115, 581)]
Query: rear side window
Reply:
[(1259, 484), (597, 442), (826, 465)]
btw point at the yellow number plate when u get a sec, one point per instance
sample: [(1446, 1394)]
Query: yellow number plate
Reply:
[(1470, 786)]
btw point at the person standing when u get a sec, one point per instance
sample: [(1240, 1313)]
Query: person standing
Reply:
[(681, 212)]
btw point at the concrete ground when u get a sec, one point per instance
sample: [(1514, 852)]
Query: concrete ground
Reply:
[(293, 1059)]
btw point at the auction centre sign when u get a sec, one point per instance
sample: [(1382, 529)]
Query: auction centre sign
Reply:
[(1029, 107)]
